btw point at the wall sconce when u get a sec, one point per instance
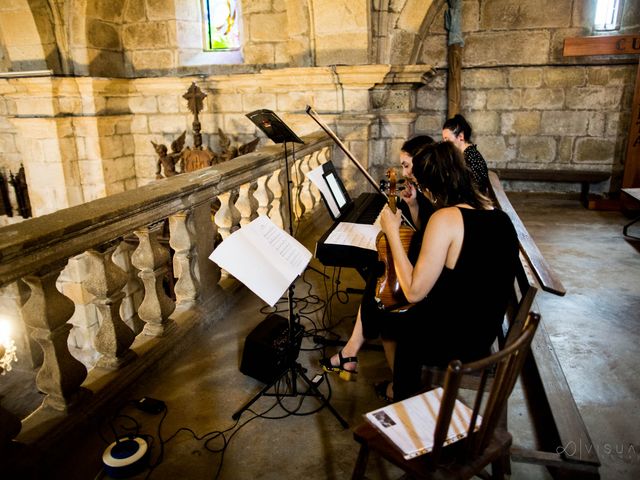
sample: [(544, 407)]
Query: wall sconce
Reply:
[(7, 347)]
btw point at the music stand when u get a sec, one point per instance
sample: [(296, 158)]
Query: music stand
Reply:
[(274, 128)]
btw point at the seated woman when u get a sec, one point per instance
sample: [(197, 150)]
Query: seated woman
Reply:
[(463, 275), (371, 322), (458, 131)]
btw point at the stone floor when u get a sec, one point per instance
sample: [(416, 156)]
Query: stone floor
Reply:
[(593, 328)]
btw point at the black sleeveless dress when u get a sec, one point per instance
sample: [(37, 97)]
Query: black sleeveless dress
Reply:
[(380, 323), (462, 314)]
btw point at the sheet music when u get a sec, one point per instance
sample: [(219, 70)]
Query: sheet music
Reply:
[(410, 424), (263, 257), (354, 235), (316, 177)]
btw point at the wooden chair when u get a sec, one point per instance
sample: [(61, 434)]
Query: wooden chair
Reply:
[(489, 444)]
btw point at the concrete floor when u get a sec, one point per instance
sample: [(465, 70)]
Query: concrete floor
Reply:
[(594, 330)]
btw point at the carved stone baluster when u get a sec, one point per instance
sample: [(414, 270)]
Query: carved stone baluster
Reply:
[(106, 282), (297, 178), (227, 215), (134, 289), (306, 198), (151, 259), (182, 240), (247, 205), (278, 204), (47, 312), (263, 195)]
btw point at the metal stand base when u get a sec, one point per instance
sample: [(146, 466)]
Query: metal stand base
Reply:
[(296, 370)]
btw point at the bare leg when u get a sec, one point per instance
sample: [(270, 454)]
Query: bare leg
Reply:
[(352, 347), (389, 347)]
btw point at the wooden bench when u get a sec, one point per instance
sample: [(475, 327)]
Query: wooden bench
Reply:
[(555, 415), (584, 177), (634, 195)]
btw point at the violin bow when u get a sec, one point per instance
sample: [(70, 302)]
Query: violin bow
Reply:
[(312, 113)]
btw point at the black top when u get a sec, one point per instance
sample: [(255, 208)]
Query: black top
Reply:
[(476, 163), (464, 310), (462, 314)]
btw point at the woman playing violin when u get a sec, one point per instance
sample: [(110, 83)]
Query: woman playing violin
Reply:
[(371, 322), (461, 279)]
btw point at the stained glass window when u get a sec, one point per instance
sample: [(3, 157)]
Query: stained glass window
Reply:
[(222, 25)]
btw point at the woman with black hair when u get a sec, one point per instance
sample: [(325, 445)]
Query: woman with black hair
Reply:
[(371, 322), (458, 131), (461, 280)]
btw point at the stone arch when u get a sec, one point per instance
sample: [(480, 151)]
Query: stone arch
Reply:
[(402, 40), (22, 39)]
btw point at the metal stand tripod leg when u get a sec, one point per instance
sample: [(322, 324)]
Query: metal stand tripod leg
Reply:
[(296, 371), (294, 368)]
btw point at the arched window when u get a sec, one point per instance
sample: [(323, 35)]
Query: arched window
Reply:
[(608, 13), (222, 25)]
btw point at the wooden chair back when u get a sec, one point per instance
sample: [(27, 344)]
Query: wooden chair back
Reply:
[(487, 441), (490, 397)]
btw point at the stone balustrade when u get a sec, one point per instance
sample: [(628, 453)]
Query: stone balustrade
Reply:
[(119, 238)]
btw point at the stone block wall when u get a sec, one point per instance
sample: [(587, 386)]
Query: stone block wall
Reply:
[(540, 116)]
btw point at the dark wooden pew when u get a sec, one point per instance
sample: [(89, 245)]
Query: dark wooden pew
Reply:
[(556, 418), (584, 177)]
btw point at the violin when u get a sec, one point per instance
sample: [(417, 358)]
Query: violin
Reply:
[(389, 294)]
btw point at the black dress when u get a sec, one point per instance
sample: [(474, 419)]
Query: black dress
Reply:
[(478, 166), (380, 323), (462, 314)]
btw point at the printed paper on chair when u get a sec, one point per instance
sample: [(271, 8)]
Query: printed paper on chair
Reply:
[(263, 257), (410, 424)]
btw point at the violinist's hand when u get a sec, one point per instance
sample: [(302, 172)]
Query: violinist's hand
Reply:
[(410, 194), (389, 221)]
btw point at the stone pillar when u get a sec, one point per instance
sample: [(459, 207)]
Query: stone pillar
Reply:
[(227, 215), (274, 184), (106, 283), (47, 312), (247, 205), (151, 259), (185, 266), (306, 195), (263, 195)]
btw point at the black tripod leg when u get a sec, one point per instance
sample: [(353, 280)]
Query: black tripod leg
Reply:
[(239, 412), (323, 399)]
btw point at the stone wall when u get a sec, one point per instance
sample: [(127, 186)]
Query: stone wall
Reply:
[(83, 138), (540, 116), (529, 106)]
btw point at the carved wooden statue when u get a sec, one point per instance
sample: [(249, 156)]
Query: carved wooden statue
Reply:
[(167, 162), (187, 159)]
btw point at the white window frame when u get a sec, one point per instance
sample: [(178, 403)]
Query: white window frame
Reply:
[(608, 14)]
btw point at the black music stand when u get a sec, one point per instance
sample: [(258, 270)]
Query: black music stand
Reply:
[(279, 132)]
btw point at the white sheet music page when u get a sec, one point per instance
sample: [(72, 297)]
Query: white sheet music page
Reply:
[(316, 177), (354, 235), (410, 424), (263, 257)]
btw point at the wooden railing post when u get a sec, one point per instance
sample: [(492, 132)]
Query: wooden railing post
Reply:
[(151, 258), (185, 265), (47, 312), (106, 283)]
